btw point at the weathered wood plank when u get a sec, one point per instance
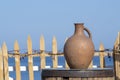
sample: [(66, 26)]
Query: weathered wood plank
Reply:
[(30, 59), (1, 65), (78, 73), (89, 74), (102, 61), (42, 55), (54, 51), (5, 61), (17, 61), (116, 57)]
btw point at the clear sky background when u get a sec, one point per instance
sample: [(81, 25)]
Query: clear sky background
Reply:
[(20, 18)]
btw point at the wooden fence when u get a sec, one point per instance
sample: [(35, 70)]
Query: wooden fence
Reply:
[(4, 68)]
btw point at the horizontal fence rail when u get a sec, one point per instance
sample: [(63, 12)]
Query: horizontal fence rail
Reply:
[(54, 54)]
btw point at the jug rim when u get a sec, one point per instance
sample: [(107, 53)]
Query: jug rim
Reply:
[(79, 23)]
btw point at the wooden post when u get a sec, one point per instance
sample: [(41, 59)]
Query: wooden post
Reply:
[(30, 59), (5, 62), (116, 57), (54, 51), (1, 65), (17, 60), (42, 50), (102, 60)]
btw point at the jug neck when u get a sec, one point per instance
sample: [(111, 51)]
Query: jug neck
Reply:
[(79, 28)]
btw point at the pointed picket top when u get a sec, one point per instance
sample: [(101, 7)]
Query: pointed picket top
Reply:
[(101, 46), (42, 43), (118, 37), (54, 45), (117, 40), (16, 46), (29, 44), (4, 49)]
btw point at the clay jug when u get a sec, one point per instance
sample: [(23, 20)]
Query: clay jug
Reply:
[(79, 48)]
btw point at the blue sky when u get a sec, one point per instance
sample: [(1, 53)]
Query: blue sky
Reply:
[(20, 18)]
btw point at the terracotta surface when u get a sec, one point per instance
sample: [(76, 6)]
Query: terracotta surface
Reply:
[(79, 48)]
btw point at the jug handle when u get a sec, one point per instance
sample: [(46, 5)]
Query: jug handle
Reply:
[(87, 30)]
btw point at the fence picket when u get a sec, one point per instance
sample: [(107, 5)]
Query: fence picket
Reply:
[(54, 51), (101, 55), (5, 61), (42, 55), (30, 59), (1, 65), (117, 57), (17, 60)]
